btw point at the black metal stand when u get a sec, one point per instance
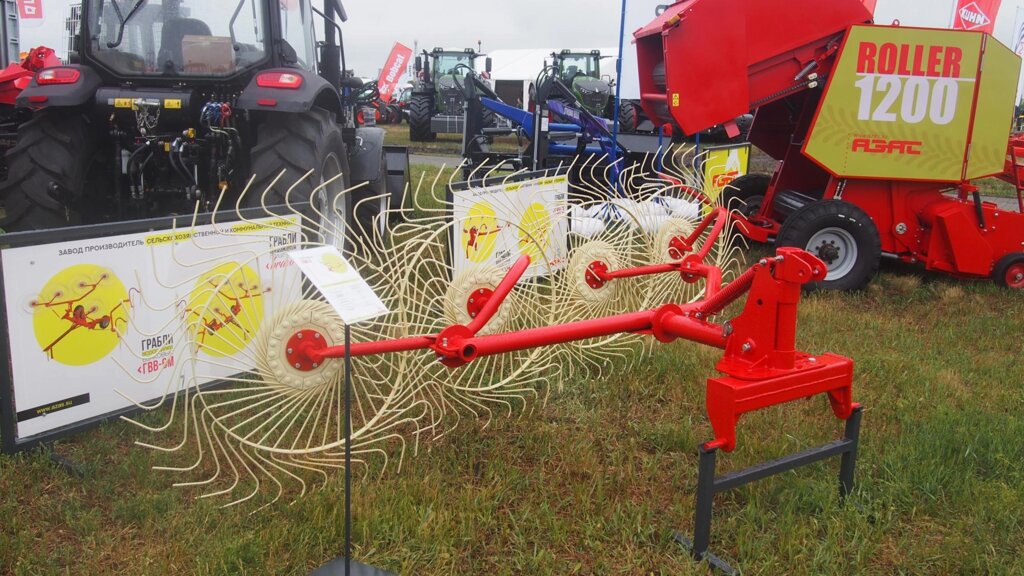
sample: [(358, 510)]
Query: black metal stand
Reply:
[(345, 565), (708, 485)]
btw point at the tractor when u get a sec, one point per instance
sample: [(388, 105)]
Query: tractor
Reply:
[(881, 133), (371, 109), (581, 71), (438, 103), (170, 104)]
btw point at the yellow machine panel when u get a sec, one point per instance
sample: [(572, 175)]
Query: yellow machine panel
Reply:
[(916, 104)]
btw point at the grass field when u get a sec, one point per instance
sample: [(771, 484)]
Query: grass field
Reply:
[(445, 144), (596, 480)]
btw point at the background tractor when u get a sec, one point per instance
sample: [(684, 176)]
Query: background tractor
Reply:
[(438, 101), (581, 72), (167, 103), (371, 109)]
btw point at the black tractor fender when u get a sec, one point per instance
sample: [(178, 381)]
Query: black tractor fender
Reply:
[(62, 95), (364, 157), (314, 91)]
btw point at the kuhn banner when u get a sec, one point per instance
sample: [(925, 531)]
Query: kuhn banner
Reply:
[(393, 71), (976, 15)]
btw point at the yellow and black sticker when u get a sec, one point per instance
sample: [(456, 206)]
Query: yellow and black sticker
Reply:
[(122, 102), (172, 103), (675, 100)]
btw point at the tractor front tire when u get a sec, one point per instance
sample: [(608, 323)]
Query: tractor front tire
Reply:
[(421, 109), (48, 167), (843, 236), (627, 117), (295, 144), (746, 194)]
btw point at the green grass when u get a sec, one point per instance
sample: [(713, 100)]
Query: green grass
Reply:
[(444, 145), (596, 480)]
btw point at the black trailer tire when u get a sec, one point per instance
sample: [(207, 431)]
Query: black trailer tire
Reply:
[(627, 117), (421, 108), (840, 234), (295, 144), (746, 193), (1009, 271), (48, 170)]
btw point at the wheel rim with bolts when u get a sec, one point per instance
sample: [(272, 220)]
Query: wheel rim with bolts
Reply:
[(1015, 276), (837, 248)]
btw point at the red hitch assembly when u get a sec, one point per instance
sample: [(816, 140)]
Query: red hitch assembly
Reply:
[(761, 366)]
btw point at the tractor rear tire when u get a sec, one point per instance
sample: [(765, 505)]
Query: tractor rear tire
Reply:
[(840, 234), (1009, 271), (746, 193), (294, 144), (48, 167), (627, 117), (421, 109)]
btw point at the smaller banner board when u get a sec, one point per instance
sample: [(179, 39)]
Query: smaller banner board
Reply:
[(499, 220), (340, 284)]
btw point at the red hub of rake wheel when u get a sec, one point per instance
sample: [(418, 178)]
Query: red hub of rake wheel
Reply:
[(678, 248), (1015, 276), (299, 347), (477, 300), (596, 273)]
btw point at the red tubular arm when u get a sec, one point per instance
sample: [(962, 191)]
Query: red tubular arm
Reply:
[(500, 293)]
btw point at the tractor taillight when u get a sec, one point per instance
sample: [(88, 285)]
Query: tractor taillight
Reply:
[(52, 76), (279, 80)]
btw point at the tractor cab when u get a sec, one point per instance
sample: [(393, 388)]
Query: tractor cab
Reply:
[(581, 71), (194, 39)]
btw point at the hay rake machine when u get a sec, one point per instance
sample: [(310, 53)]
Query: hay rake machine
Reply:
[(481, 339)]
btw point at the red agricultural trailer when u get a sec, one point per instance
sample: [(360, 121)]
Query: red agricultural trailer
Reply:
[(879, 131)]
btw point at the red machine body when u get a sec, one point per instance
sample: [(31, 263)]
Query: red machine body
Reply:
[(705, 62), (17, 77)]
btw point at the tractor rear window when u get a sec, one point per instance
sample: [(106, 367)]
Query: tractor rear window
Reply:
[(177, 37)]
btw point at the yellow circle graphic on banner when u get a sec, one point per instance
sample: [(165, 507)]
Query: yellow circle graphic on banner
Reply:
[(535, 231), (80, 314), (480, 231), (225, 309), (335, 264)]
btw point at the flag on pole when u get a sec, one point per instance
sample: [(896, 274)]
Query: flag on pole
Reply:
[(30, 9), (976, 15), (393, 71)]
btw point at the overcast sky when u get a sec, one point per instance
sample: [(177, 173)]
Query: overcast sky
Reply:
[(374, 25)]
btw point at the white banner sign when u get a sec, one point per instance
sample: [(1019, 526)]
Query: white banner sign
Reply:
[(96, 324), (496, 225)]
